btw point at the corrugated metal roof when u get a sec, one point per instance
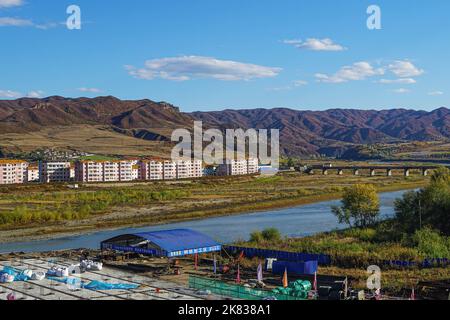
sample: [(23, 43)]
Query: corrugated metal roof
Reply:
[(178, 240)]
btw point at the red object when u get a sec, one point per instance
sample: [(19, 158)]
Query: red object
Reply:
[(241, 256), (285, 279), (238, 278), (11, 297), (157, 290), (196, 261)]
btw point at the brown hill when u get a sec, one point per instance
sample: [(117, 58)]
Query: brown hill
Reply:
[(301, 132)]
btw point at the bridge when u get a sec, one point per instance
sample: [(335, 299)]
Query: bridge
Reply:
[(372, 170)]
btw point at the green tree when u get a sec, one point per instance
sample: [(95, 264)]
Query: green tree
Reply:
[(428, 207), (360, 206)]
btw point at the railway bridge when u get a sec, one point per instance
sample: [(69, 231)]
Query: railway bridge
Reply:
[(373, 170)]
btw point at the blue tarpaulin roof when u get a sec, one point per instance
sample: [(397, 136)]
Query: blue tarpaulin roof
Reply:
[(178, 240), (170, 243)]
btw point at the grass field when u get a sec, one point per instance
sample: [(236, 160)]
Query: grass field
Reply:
[(39, 210)]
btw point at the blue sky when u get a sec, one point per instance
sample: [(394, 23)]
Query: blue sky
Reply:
[(213, 55)]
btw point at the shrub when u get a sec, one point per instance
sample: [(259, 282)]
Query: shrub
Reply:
[(256, 237), (431, 243), (271, 234)]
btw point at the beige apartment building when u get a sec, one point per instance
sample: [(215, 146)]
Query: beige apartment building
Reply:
[(13, 171)]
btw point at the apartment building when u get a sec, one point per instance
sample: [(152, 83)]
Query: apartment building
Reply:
[(56, 171), (96, 171), (189, 169), (151, 170), (13, 171), (169, 170), (33, 172), (129, 170), (252, 166), (107, 171), (238, 167)]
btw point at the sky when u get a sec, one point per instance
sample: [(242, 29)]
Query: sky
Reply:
[(204, 55)]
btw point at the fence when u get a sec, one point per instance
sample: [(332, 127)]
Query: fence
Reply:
[(234, 291), (280, 255)]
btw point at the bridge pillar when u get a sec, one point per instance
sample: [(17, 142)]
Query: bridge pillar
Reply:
[(425, 172), (356, 172), (372, 172), (389, 172), (407, 172), (325, 172), (341, 172)]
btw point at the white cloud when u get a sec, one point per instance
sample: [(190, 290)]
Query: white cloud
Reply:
[(405, 69), (401, 90), (294, 84), (10, 3), (15, 22), (299, 83), (194, 67), (435, 93), (316, 44), (9, 94), (398, 81), (90, 90), (35, 94), (358, 71)]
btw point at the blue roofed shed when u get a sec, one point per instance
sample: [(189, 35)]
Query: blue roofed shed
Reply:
[(168, 243)]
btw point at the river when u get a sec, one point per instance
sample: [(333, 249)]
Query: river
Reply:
[(296, 221)]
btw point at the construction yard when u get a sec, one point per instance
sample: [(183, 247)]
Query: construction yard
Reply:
[(147, 286)]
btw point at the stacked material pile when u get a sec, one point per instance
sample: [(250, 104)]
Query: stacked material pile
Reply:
[(298, 289)]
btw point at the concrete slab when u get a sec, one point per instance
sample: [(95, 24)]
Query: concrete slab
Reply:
[(52, 290)]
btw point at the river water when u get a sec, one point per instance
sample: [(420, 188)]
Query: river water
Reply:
[(296, 221)]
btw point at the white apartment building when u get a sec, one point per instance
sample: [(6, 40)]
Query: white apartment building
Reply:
[(56, 171), (239, 167), (151, 170), (189, 169), (129, 170), (97, 171), (107, 171), (169, 170), (33, 173), (252, 166), (13, 171)]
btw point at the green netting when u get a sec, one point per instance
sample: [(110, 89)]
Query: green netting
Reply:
[(238, 291)]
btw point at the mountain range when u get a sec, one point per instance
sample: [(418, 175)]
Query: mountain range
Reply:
[(301, 132)]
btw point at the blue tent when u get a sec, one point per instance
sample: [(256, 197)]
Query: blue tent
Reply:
[(168, 243)]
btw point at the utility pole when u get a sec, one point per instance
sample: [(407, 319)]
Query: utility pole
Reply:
[(420, 215)]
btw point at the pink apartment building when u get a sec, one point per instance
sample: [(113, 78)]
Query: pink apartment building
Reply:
[(13, 171)]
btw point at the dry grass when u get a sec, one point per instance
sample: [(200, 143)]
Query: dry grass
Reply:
[(86, 138)]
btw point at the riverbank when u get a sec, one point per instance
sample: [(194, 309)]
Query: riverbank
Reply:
[(353, 250), (206, 198)]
